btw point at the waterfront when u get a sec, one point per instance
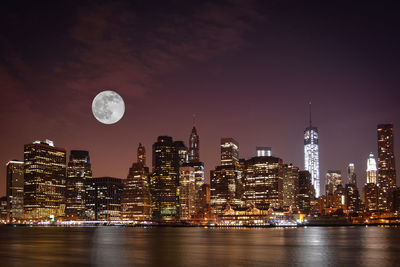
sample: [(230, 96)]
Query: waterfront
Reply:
[(180, 246)]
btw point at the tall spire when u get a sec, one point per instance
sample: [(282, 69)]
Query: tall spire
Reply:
[(141, 154), (194, 120), (309, 103), (194, 144)]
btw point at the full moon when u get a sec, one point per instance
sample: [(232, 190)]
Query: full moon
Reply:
[(108, 107)]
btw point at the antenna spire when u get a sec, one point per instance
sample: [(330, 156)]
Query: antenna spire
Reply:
[(194, 120), (309, 103)]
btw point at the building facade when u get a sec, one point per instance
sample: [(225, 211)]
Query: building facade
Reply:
[(229, 151), (386, 167), (103, 198), (306, 192), (78, 170), (136, 200), (263, 182), (187, 193), (15, 190), (290, 187), (165, 180), (44, 180)]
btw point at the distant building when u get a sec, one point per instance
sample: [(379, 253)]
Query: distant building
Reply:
[(229, 151), (333, 181), (386, 167), (263, 182), (290, 187), (352, 196), (78, 170), (182, 152), (306, 192), (3, 209), (370, 188), (371, 169), (262, 151), (165, 180), (199, 180), (103, 198), (311, 155), (194, 146), (44, 180), (187, 193), (136, 201), (15, 190), (223, 187)]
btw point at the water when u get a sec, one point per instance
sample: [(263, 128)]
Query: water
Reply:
[(123, 246)]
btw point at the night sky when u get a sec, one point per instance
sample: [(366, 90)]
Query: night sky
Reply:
[(245, 68)]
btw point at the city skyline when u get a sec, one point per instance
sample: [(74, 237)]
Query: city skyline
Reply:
[(255, 91)]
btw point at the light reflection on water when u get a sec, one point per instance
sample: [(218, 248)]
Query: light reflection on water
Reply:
[(122, 246)]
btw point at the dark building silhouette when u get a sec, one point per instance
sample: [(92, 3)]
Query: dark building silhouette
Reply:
[(15, 190), (44, 180), (306, 192), (165, 180), (194, 146), (103, 198), (386, 167), (136, 202), (78, 170)]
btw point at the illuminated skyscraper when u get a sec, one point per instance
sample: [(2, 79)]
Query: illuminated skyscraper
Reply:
[(223, 187), (136, 202), (352, 197), (351, 175), (194, 146), (78, 170), (44, 180), (371, 188), (290, 186), (333, 181), (187, 193), (262, 151), (15, 190), (165, 180), (263, 182), (229, 151), (386, 167), (371, 169), (311, 154)]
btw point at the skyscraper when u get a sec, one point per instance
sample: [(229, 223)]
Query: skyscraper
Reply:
[(311, 154), (351, 175), (78, 170), (135, 201), (371, 188), (44, 180), (333, 181), (194, 146), (103, 198), (222, 187), (263, 182), (290, 186), (371, 169), (15, 190), (386, 167), (306, 192), (165, 180), (187, 193), (229, 151)]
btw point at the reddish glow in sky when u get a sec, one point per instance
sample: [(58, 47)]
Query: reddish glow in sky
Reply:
[(247, 69)]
